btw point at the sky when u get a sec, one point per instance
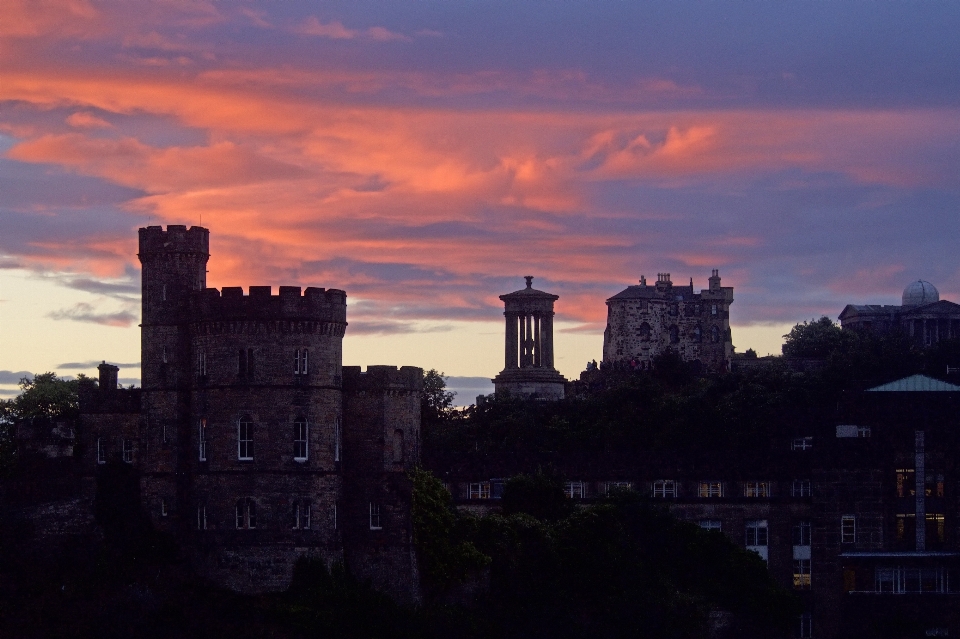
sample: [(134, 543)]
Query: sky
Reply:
[(424, 156)]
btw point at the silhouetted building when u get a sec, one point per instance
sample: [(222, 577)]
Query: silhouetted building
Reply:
[(922, 316)]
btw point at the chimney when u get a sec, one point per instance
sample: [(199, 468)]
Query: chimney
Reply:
[(108, 377)]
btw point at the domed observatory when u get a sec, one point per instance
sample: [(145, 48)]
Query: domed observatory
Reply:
[(922, 316), (528, 369)]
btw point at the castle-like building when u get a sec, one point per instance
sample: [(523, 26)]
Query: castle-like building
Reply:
[(644, 321), (254, 445)]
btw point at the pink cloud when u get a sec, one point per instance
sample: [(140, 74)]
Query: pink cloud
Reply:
[(85, 120), (336, 30)]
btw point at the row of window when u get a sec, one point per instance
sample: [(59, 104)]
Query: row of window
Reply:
[(245, 439), (245, 513), (126, 450), (644, 331), (674, 309), (246, 362), (757, 539), (661, 489)]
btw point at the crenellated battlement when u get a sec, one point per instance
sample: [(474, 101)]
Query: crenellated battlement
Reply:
[(230, 303), (154, 240), (382, 378)]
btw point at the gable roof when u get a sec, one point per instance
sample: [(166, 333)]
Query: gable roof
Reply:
[(942, 307), (916, 383)]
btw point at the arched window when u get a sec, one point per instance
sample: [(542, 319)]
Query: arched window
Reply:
[(715, 334), (301, 441), (674, 335), (398, 446), (246, 513), (698, 334), (245, 438)]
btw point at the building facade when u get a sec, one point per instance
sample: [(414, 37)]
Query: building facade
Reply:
[(644, 321), (246, 430), (922, 316)]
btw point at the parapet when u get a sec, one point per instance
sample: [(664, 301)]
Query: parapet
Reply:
[(176, 239), (382, 378), (314, 304)]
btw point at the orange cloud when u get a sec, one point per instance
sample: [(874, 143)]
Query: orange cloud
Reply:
[(85, 120)]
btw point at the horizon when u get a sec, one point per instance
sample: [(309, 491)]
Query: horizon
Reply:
[(425, 158)]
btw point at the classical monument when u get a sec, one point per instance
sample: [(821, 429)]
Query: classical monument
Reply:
[(922, 316), (644, 321), (254, 446), (528, 367)]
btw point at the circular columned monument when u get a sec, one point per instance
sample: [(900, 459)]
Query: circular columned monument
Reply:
[(528, 368)]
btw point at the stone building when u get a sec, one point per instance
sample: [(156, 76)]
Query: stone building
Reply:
[(922, 316), (644, 321), (254, 446), (528, 358)]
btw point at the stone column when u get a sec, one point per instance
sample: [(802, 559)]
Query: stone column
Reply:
[(512, 340), (547, 337), (536, 340)]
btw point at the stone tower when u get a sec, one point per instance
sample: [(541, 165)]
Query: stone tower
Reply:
[(528, 368)]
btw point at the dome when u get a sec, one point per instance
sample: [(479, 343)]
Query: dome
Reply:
[(920, 292)]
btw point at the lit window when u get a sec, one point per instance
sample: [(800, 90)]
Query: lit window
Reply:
[(101, 451), (202, 439), (375, 516), (665, 488), (128, 451), (480, 490), (906, 486), (802, 443), (301, 362), (848, 529), (201, 517), (710, 524), (710, 489), (801, 574), (301, 445), (801, 488), (756, 489), (201, 362), (246, 513), (573, 489), (245, 439)]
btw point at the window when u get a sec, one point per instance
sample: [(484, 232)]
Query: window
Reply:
[(573, 489), (714, 334), (245, 439), (756, 489), (801, 488), (480, 490), (713, 309), (336, 439), (801, 574), (201, 363), (863, 431), (334, 516), (301, 362), (665, 488), (128, 451), (710, 489), (644, 332), (710, 524), (301, 515), (801, 533), (245, 362), (806, 626), (936, 528), (163, 507), (611, 486), (848, 529), (698, 334), (398, 446), (375, 517), (906, 486), (301, 442), (246, 513), (852, 430), (674, 335), (898, 580), (101, 451), (201, 517), (164, 354), (757, 536), (202, 439), (802, 443)]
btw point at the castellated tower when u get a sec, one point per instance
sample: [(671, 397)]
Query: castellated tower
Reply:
[(242, 428)]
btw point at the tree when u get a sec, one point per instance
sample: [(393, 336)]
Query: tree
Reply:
[(45, 396), (539, 495), (816, 338), (436, 402)]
